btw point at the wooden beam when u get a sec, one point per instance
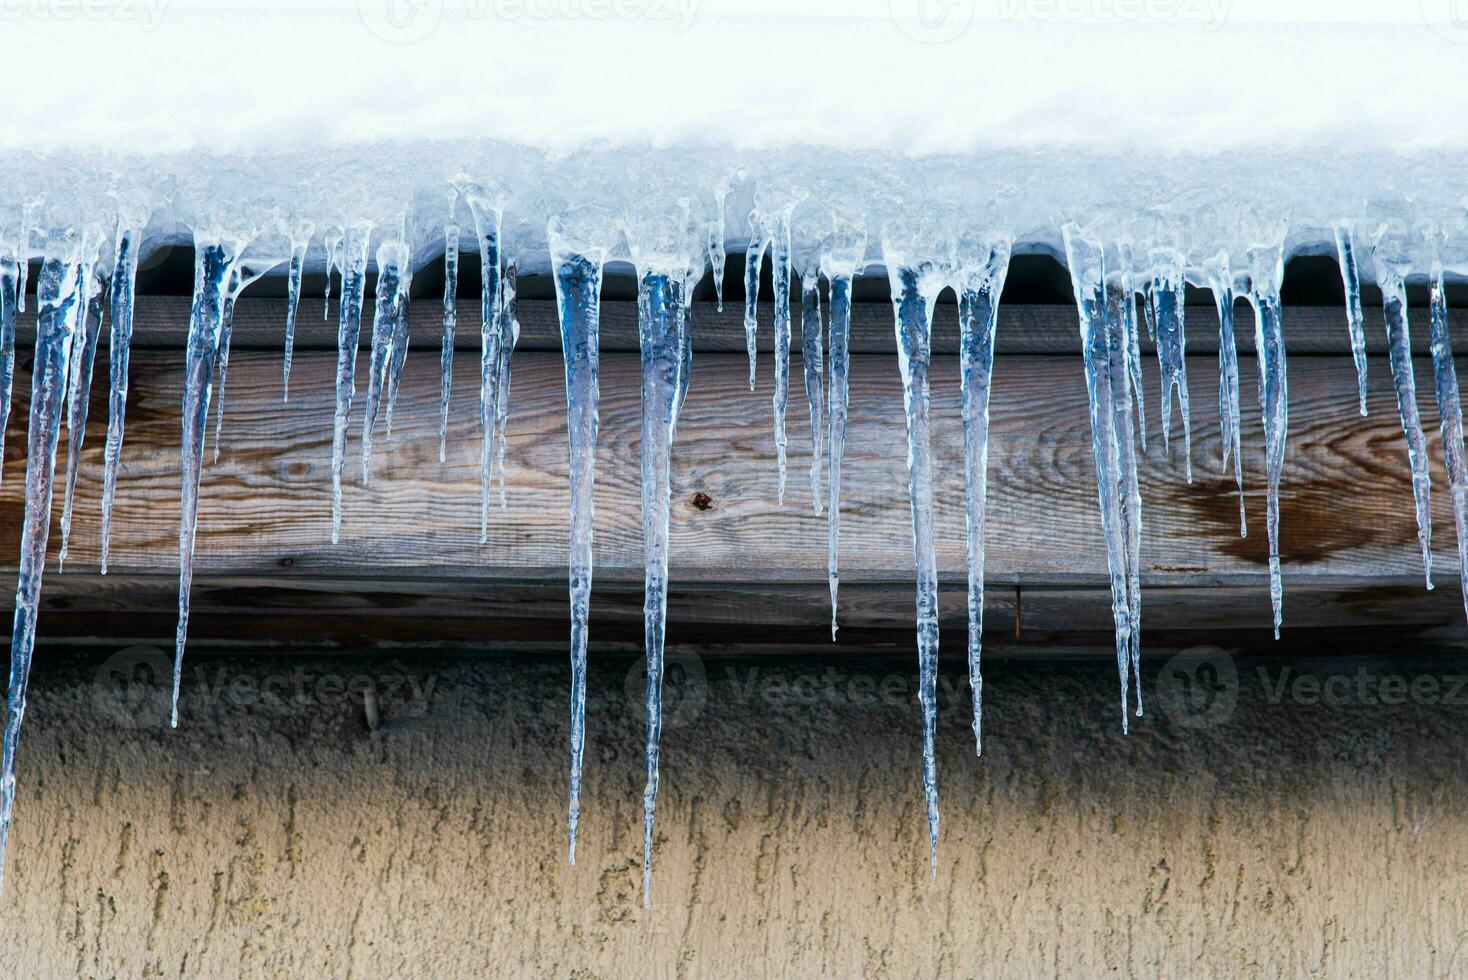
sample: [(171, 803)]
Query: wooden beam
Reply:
[(410, 539), (259, 323)]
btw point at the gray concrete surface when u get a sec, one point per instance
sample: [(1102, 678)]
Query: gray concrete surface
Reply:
[(1260, 826)]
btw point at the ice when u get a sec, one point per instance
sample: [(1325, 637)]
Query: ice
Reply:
[(401, 322), (718, 256), (392, 260), (486, 204), (1450, 412), (915, 285), (450, 323), (9, 309), (299, 245), (226, 333), (780, 266), (842, 252), (980, 283), (812, 358), (509, 338), (754, 255), (79, 391), (1266, 270), (1391, 270), (578, 250), (1351, 280), (60, 303), (1133, 339), (353, 253), (665, 243), (124, 281), (1165, 299), (333, 246), (1220, 280)]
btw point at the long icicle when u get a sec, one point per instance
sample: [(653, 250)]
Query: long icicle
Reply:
[(1086, 260), (59, 303), (1121, 327), (385, 314), (487, 209), (578, 277), (1355, 320), (509, 339), (1168, 310), (915, 288), (1389, 276), (348, 335), (226, 334), (753, 257), (812, 359), (1266, 270), (780, 268), (292, 302), (124, 282), (1220, 280), (978, 316), (660, 321), (450, 324), (1450, 414), (79, 396), (838, 263), (214, 265)]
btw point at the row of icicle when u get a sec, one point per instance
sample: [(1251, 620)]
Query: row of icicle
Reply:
[(76, 290)]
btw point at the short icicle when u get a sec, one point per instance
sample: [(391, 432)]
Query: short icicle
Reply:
[(780, 269), (226, 335), (292, 302), (1166, 297), (79, 393), (1220, 280), (980, 284), (1355, 319), (812, 358), (754, 256), (333, 245), (124, 282), (1086, 260), (839, 260), (9, 311), (1390, 274), (214, 266), (915, 288), (59, 303), (577, 268), (391, 294), (1450, 413), (450, 324), (1133, 340), (402, 320), (718, 256), (348, 335), (487, 208), (509, 339), (1266, 270)]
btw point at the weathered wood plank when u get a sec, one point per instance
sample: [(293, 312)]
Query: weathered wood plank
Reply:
[(161, 321)]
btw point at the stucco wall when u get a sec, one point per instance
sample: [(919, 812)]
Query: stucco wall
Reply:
[(277, 834)]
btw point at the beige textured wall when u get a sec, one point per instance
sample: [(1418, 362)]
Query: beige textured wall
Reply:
[(271, 839)]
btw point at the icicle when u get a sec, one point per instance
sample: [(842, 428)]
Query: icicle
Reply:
[(660, 320), (391, 262), (1351, 279), (1266, 270), (1220, 280), (24, 254), (1167, 294), (684, 289), (401, 321), (838, 262), (348, 335), (487, 208), (780, 266), (9, 308), (1450, 412), (124, 280), (753, 256), (79, 392), (450, 322), (718, 257), (509, 337), (915, 287), (1389, 277), (812, 358), (293, 300), (333, 244), (226, 331), (1105, 384), (60, 307), (578, 274), (1121, 339), (978, 314), (1134, 347)]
